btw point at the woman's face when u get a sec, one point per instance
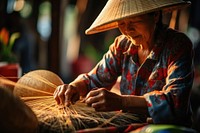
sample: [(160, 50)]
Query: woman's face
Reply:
[(139, 29)]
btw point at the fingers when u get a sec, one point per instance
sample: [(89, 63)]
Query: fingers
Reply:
[(59, 94), (66, 95), (94, 98), (99, 106), (55, 95), (75, 98), (92, 94), (103, 100)]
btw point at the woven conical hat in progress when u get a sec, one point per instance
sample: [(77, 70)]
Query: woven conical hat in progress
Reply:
[(116, 10), (37, 83)]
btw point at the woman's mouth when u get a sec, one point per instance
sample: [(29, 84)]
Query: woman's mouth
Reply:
[(133, 37)]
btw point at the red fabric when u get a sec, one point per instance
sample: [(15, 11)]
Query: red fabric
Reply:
[(123, 129), (10, 71)]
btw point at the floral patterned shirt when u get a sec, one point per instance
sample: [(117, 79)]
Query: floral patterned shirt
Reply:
[(165, 78)]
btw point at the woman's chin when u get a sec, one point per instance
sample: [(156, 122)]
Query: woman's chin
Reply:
[(136, 43)]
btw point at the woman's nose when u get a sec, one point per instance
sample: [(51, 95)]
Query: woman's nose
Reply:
[(126, 28)]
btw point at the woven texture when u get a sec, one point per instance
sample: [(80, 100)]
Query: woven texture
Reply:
[(116, 10)]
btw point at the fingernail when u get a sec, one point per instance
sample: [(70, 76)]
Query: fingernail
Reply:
[(67, 103)]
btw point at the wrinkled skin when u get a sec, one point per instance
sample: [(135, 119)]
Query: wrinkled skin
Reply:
[(66, 94), (99, 99), (103, 100)]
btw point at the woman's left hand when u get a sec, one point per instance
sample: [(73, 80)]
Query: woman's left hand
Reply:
[(103, 100)]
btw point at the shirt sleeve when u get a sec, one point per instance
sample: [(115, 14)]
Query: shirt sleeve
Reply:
[(106, 72), (172, 104)]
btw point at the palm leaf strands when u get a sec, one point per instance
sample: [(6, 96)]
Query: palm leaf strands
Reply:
[(36, 89)]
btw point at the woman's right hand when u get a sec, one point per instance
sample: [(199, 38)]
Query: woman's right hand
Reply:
[(66, 94)]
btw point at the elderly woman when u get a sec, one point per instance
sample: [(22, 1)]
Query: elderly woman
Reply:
[(155, 64)]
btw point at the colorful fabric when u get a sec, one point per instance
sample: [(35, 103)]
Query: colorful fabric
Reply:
[(140, 128), (160, 128), (113, 129), (165, 78)]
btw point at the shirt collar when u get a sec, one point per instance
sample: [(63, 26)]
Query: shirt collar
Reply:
[(159, 43)]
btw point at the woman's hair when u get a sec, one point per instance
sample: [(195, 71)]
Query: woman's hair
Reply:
[(159, 23)]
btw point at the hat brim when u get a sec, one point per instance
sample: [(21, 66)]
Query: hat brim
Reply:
[(112, 24)]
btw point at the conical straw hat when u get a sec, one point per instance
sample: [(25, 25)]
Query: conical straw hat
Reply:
[(116, 10)]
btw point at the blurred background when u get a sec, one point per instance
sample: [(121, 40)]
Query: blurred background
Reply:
[(52, 35)]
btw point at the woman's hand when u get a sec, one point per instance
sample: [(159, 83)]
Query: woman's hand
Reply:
[(103, 100), (66, 94)]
